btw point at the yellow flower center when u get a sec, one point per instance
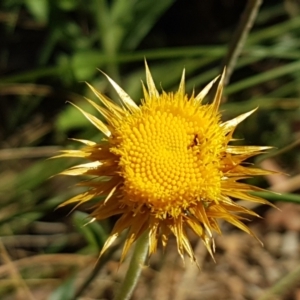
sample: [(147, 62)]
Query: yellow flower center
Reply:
[(170, 154)]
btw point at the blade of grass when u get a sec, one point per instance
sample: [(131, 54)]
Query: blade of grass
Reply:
[(263, 77)]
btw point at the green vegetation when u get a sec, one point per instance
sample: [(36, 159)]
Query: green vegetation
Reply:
[(49, 48)]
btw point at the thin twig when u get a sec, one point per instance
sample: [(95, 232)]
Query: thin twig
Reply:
[(21, 287), (48, 260), (240, 36), (26, 89), (40, 241), (28, 152)]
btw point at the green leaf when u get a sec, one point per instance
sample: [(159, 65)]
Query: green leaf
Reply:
[(71, 118), (85, 63), (39, 9), (65, 291), (93, 232), (67, 5), (145, 15), (263, 77)]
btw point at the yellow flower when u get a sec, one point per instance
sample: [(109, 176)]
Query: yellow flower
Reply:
[(165, 167)]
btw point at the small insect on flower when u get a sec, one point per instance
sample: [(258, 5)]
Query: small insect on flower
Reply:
[(168, 167)]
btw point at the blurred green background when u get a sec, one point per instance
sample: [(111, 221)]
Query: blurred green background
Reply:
[(49, 48)]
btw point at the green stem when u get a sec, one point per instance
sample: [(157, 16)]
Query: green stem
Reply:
[(272, 196), (135, 268)]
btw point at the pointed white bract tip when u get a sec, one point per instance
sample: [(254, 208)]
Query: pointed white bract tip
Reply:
[(183, 77), (150, 83), (221, 82), (181, 89), (218, 96), (125, 98), (206, 89), (231, 124), (90, 221), (95, 121)]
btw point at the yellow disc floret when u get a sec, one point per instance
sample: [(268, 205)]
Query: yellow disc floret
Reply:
[(170, 154)]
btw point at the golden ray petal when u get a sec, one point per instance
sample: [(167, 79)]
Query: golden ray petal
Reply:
[(217, 100), (153, 93), (205, 90), (123, 223), (128, 102), (153, 235), (110, 194), (104, 112), (71, 153), (231, 124), (112, 107), (188, 248), (96, 122), (146, 95), (136, 229), (86, 142), (111, 208), (247, 149), (181, 89), (82, 169), (165, 232), (81, 198)]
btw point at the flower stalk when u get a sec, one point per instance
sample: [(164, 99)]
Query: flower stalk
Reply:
[(134, 271)]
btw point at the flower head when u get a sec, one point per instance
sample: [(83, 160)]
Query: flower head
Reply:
[(165, 166)]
